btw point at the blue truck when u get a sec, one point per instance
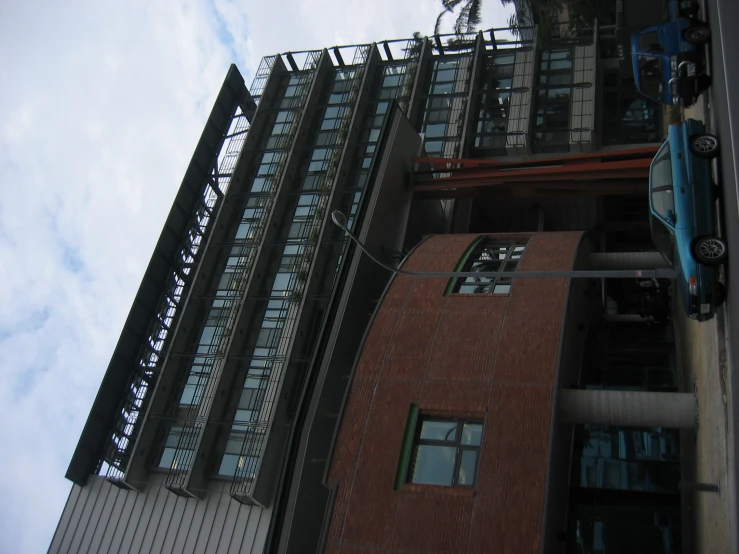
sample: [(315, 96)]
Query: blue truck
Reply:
[(668, 59)]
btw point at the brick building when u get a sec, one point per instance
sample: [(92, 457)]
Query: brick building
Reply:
[(451, 439)]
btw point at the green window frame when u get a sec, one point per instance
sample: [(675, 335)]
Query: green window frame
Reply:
[(488, 254), (440, 451)]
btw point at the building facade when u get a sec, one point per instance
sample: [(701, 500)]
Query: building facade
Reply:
[(214, 424), (454, 436)]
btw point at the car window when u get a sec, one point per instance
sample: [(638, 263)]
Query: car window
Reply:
[(663, 238), (649, 42), (650, 76), (660, 183)]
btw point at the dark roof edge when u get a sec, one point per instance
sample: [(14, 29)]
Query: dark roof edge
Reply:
[(89, 447)]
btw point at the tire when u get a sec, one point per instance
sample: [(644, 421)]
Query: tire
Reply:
[(704, 145), (698, 33), (710, 250), (704, 81), (720, 296)]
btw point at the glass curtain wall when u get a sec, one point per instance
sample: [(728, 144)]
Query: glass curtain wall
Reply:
[(628, 117), (493, 104), (624, 483), (443, 117), (212, 344), (552, 127), (248, 431)]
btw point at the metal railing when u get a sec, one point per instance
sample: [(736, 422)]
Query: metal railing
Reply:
[(255, 433), (189, 426), (151, 354)]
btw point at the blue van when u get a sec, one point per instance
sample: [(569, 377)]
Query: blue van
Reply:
[(668, 60)]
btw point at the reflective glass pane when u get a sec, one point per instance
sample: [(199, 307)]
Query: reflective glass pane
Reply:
[(434, 465), (229, 464), (439, 430), (472, 433), (467, 468)]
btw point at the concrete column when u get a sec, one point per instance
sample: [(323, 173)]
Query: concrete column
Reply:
[(625, 260), (676, 410)]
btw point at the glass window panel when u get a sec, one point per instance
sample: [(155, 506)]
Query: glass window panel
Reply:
[(331, 112), (391, 81), (229, 465), (472, 433), (437, 116), (434, 146), (434, 130), (282, 281), (467, 468), (445, 75), (443, 88), (338, 98), (447, 64), (560, 65), (188, 395), (328, 124), (374, 135), (167, 458), (439, 430), (382, 107), (507, 58), (434, 465)]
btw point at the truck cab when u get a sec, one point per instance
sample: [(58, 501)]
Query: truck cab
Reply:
[(668, 61)]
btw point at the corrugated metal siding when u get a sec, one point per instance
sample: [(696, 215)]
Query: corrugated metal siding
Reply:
[(100, 517)]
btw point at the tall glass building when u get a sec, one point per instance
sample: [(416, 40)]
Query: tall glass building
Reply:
[(213, 427)]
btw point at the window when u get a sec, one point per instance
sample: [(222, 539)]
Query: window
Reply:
[(493, 102), (490, 255), (445, 452), (660, 181), (650, 76)]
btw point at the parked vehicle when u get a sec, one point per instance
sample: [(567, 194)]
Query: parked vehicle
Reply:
[(668, 59), (683, 215)]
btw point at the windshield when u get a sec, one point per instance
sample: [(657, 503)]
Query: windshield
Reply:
[(663, 238), (650, 76)]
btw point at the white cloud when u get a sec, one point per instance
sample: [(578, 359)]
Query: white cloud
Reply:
[(101, 106)]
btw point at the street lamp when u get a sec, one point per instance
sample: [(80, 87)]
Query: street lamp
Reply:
[(340, 221)]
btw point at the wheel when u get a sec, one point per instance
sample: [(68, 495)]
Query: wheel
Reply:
[(710, 250), (697, 34), (720, 296), (704, 81), (704, 146)]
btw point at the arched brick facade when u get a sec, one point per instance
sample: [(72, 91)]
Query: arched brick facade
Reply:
[(492, 357)]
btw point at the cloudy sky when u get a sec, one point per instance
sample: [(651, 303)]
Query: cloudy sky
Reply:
[(101, 105)]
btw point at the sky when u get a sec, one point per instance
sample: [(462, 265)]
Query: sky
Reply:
[(101, 106)]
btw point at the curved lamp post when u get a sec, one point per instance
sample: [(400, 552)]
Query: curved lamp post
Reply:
[(340, 220)]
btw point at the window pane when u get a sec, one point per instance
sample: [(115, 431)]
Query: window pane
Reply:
[(439, 430), (472, 433), (467, 468), (228, 465), (434, 465)]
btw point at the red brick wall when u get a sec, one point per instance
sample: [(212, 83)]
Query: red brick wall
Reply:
[(465, 355)]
